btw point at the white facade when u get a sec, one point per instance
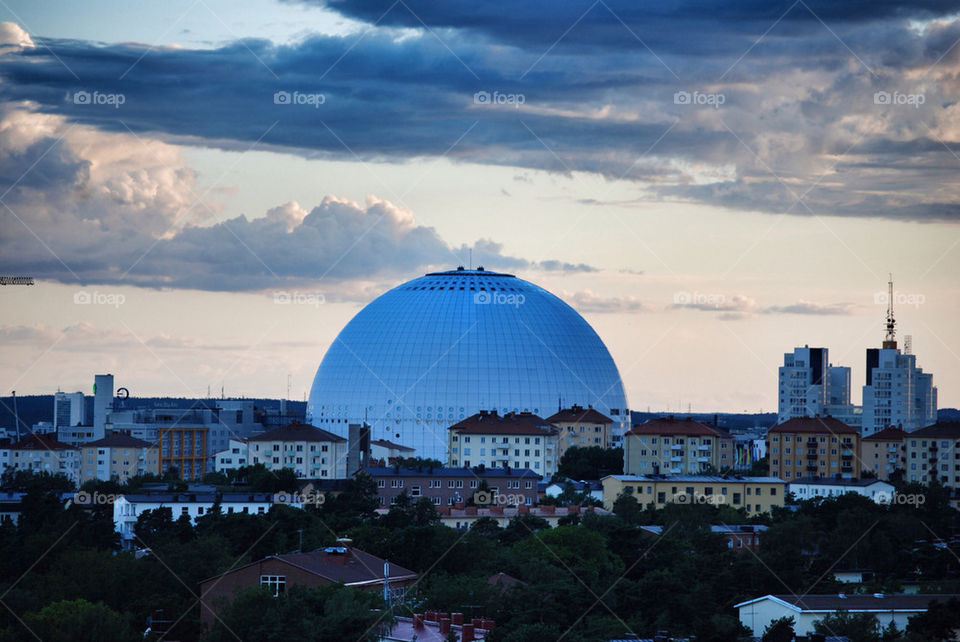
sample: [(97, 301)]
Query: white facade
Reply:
[(810, 385), (127, 508), (758, 613), (102, 403), (309, 451), (68, 409), (55, 460), (879, 491), (235, 456), (897, 393)]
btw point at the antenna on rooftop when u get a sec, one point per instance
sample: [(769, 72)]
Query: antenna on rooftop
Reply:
[(890, 341)]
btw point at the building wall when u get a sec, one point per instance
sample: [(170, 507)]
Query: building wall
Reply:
[(882, 458), (118, 462), (185, 448), (819, 455), (751, 494), (676, 454), (897, 392), (308, 459), (583, 435), (65, 461), (880, 492), (931, 459), (444, 490), (538, 452), (759, 615)]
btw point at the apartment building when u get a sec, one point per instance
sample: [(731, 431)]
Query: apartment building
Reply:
[(309, 451), (42, 453), (883, 452), (677, 446), (813, 447), (118, 456), (516, 439), (450, 486), (753, 494), (933, 454), (582, 427)]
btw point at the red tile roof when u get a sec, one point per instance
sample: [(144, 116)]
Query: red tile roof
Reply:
[(891, 433), (34, 441), (118, 440), (945, 429), (512, 423), (297, 432), (669, 426), (819, 425), (579, 415)]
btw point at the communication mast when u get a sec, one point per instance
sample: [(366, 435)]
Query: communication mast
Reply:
[(890, 341)]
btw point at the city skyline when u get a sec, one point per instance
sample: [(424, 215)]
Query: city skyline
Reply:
[(705, 209)]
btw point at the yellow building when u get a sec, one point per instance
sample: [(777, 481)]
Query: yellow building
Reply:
[(933, 455), (813, 447), (184, 448), (676, 446), (754, 494), (118, 456), (582, 427), (883, 452)]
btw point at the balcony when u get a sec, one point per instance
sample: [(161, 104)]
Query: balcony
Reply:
[(933, 448), (811, 455), (676, 446), (676, 459), (703, 447), (812, 468), (703, 459)]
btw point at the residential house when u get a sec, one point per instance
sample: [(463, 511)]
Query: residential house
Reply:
[(677, 446), (813, 447), (754, 494), (516, 439)]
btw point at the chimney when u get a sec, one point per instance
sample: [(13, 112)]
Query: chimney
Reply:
[(466, 633), (444, 625)]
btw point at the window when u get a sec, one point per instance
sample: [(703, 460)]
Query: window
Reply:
[(276, 584)]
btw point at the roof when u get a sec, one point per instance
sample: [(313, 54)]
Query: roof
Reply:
[(819, 425), (580, 485), (389, 471), (579, 415), (891, 433), (863, 482), (715, 479), (503, 580), (513, 423), (34, 441), (198, 498), (687, 427), (948, 429), (723, 529), (352, 567), (296, 431), (877, 602), (118, 440), (383, 443)]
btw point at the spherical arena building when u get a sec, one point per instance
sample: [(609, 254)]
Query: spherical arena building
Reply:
[(442, 347)]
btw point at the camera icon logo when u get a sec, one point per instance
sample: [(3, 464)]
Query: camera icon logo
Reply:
[(81, 298), (82, 498), (682, 298), (482, 298), (281, 98), (482, 498), (681, 98), (881, 98), (283, 298), (481, 98), (81, 98)]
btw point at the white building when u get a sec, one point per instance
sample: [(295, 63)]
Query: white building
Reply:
[(309, 451), (758, 613), (235, 456), (387, 450), (897, 393), (68, 410), (811, 487), (42, 453), (127, 508), (516, 439), (809, 385)]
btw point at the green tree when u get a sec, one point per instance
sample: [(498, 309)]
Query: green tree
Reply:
[(78, 621), (592, 462), (780, 630), (859, 627), (939, 622)]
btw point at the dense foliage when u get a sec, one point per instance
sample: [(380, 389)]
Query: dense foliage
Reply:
[(591, 578)]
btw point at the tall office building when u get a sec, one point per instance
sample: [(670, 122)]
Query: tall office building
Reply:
[(68, 410), (897, 392), (102, 403), (809, 385)]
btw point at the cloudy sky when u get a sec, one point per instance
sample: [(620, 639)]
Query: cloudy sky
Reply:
[(709, 184)]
